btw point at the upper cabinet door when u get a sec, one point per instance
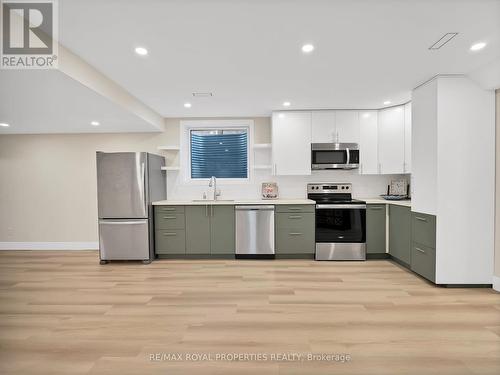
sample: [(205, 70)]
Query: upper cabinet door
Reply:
[(368, 142), (347, 126), (323, 127), (407, 166), (291, 143), (391, 150)]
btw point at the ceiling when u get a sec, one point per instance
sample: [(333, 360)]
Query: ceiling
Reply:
[(48, 101), (248, 52)]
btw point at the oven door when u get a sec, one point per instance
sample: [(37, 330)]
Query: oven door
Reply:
[(340, 223)]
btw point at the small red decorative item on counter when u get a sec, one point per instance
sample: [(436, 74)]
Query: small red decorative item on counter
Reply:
[(269, 190)]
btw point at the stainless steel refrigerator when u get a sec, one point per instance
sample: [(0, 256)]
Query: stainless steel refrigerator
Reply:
[(127, 184)]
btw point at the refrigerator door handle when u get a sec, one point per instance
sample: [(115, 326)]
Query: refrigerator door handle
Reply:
[(122, 222)]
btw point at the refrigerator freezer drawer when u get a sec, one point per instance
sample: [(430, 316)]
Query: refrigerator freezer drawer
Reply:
[(126, 239)]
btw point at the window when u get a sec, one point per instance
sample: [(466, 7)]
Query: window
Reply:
[(222, 153)]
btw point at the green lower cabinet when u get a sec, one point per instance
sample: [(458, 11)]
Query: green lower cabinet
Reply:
[(295, 233), (197, 230), (170, 241), (423, 229), (423, 261), (423, 250), (400, 233), (375, 228), (222, 230)]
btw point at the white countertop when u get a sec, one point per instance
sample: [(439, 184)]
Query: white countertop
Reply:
[(233, 202), (405, 203)]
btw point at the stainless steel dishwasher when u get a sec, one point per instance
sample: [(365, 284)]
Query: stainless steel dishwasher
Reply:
[(255, 231)]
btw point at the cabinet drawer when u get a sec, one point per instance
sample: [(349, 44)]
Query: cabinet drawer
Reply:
[(170, 242), (295, 208), (424, 229), (295, 241), (170, 209), (169, 220), (295, 220), (423, 261)]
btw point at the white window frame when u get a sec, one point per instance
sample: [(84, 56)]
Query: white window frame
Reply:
[(186, 126)]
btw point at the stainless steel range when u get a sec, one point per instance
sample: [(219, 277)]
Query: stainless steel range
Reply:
[(340, 222)]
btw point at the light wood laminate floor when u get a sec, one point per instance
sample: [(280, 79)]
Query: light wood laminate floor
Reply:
[(63, 313)]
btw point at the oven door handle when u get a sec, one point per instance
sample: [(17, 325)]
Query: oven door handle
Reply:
[(348, 156), (342, 206)]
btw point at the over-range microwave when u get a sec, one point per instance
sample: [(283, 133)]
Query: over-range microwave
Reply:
[(334, 156)]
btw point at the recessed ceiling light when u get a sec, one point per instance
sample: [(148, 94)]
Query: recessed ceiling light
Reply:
[(286, 104), (187, 105), (387, 102), (141, 51), (478, 46), (307, 48), (4, 124), (94, 123)]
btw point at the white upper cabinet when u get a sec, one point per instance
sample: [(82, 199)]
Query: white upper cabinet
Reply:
[(368, 142), (347, 126), (391, 140), (335, 126), (323, 127), (407, 165), (291, 143)]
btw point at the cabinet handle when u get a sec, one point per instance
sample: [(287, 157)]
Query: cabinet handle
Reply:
[(295, 208), (295, 234), (169, 217), (419, 249), (421, 218), (168, 209), (295, 217), (211, 210), (170, 234), (206, 210)]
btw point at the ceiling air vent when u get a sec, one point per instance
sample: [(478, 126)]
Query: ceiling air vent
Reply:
[(443, 40), (202, 94)]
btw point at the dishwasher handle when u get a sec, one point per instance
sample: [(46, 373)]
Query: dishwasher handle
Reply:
[(255, 208)]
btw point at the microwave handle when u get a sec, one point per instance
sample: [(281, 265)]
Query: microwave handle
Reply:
[(348, 156)]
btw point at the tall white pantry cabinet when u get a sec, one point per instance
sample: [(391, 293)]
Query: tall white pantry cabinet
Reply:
[(453, 170)]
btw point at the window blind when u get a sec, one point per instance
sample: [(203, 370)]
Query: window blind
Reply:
[(219, 153)]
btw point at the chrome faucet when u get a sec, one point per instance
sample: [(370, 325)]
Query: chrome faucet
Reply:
[(213, 184)]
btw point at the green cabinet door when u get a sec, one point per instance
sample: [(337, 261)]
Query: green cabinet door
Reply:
[(295, 233), (222, 229), (197, 229), (400, 233), (375, 228)]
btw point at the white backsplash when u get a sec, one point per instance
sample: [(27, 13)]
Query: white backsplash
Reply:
[(364, 186)]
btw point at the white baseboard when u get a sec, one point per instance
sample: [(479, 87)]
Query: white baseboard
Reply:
[(49, 245), (496, 283)]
